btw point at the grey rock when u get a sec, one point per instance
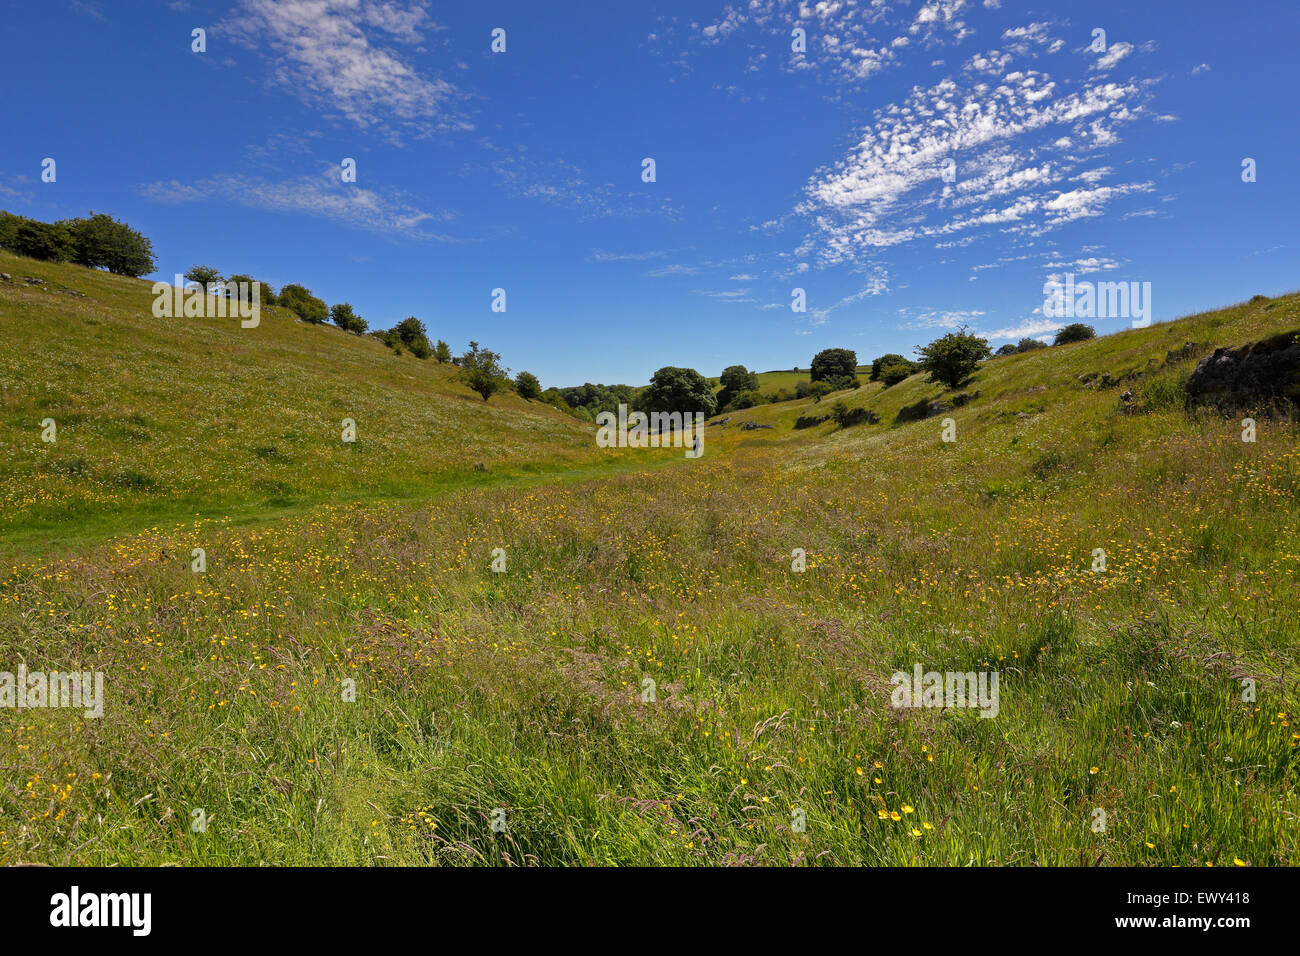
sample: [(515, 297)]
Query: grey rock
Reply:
[(1254, 375)]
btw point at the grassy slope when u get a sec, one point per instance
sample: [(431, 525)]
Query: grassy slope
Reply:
[(1120, 691), (159, 418)]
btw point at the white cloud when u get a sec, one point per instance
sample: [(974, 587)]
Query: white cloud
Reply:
[(1029, 328), (1112, 56), (335, 54), (323, 196), (1006, 145)]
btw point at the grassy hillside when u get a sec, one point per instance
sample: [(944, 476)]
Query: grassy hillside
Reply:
[(522, 691), (168, 417)]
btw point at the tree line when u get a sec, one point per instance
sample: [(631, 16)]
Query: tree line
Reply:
[(97, 241)]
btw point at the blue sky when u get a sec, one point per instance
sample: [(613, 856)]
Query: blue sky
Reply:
[(775, 169)]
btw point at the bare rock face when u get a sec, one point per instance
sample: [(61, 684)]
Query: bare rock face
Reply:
[(1250, 377)]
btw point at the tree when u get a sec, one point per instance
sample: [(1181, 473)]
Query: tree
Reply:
[(735, 379), (103, 242), (203, 275), (889, 358), (835, 364), (43, 240), (442, 352), (1029, 345), (481, 370), (9, 224), (952, 359), (1007, 349), (265, 294), (891, 375), (527, 386), (411, 333), (683, 390), (299, 300), (820, 390), (1075, 332), (345, 318)]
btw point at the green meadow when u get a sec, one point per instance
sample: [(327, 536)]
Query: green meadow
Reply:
[(676, 661)]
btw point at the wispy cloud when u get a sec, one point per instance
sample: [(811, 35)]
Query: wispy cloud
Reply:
[(323, 196), (339, 55)]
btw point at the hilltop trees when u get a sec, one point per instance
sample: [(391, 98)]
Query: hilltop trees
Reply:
[(675, 389), (299, 300), (836, 367), (265, 294), (736, 380), (1029, 345), (952, 359), (102, 242), (50, 241), (481, 370), (527, 385), (346, 319), (206, 276), (1075, 332), (442, 352), (412, 333)]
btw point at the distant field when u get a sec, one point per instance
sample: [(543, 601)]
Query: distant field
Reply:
[(522, 695)]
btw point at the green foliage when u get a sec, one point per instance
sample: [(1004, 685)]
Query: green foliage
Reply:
[(411, 333), (674, 389), (265, 294), (299, 299), (598, 398), (890, 358), (204, 275), (527, 385), (97, 242), (1007, 349), (1075, 332), (43, 240), (953, 359), (746, 400), (345, 318), (1030, 345), (819, 390), (734, 380), (893, 374), (481, 371), (103, 242), (442, 352), (834, 364)]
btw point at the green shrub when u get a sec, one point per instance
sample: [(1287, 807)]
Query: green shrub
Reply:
[(1075, 332), (893, 374), (527, 385), (299, 299)]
